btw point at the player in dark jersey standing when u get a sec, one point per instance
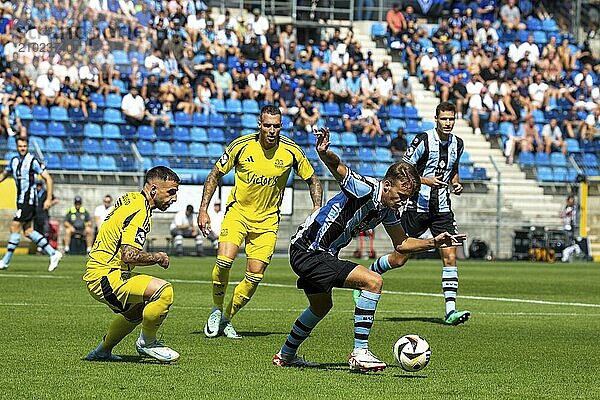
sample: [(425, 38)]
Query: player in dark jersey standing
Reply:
[(25, 168)]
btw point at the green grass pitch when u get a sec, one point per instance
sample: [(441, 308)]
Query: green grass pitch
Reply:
[(533, 334)]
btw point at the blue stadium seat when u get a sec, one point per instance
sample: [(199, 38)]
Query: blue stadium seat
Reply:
[(59, 114), (217, 121), (88, 163), (146, 163), (37, 128), (544, 174), (114, 100), (120, 57), (161, 161), (465, 172), (233, 106), (335, 139), (590, 160), (572, 145), (200, 119), (119, 84), (164, 133), (480, 173), (113, 116), (91, 130), (145, 132), (533, 24), (37, 141), (91, 146), (215, 150), (145, 148), (560, 174), (331, 109), (56, 129), (571, 175), (395, 111), (109, 146), (506, 129), (249, 121), (378, 30), (52, 161), (383, 154), (182, 119), (526, 158), (136, 54), (231, 134), (383, 141), (128, 131), (107, 163), (413, 126), (558, 160), (334, 124), (365, 154), (198, 134), (54, 145), (466, 158), (349, 139), (98, 99), (73, 145), (181, 134), (540, 38), (364, 139), (538, 116), (198, 150), (9, 155), (550, 25), (250, 106), (542, 159), (300, 137), (95, 115), (76, 114), (24, 112), (394, 124), (40, 113), (69, 162), (411, 112), (180, 149), (162, 148), (126, 163), (381, 169), (111, 131), (427, 125), (216, 135), (218, 104), (229, 179), (349, 153), (366, 169)]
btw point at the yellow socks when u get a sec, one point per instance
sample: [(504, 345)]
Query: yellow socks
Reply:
[(156, 311), (118, 329), (220, 279), (243, 293)]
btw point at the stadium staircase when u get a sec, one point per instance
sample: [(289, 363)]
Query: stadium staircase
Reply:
[(524, 202)]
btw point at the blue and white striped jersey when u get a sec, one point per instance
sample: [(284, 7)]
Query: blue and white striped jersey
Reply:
[(432, 157), (355, 209), (24, 170)]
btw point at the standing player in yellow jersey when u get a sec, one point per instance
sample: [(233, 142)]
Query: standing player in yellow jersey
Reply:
[(135, 298), (263, 162)]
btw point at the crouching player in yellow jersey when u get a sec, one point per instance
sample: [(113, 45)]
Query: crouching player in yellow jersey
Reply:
[(262, 163), (135, 298)]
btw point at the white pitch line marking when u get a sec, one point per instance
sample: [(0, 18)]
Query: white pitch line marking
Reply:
[(279, 285)]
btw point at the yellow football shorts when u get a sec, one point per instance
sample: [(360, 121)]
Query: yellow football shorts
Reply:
[(120, 290), (259, 237)]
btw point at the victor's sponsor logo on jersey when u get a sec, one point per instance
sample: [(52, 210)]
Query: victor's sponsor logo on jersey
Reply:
[(263, 180)]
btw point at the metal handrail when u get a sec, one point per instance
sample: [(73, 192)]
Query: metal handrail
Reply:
[(498, 202)]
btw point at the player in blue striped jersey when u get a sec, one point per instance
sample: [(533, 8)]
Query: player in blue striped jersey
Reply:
[(363, 203), (25, 168)]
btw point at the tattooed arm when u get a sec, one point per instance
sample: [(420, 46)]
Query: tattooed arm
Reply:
[(316, 191), (210, 185), (131, 255)]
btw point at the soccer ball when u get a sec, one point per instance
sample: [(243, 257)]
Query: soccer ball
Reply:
[(412, 353)]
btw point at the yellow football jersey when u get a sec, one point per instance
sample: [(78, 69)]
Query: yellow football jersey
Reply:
[(128, 223), (261, 175)]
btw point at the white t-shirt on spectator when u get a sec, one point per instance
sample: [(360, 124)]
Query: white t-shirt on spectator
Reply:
[(552, 134), (181, 219), (513, 52), (48, 88), (256, 82), (150, 61), (591, 120), (101, 212), (385, 86), (589, 81), (133, 105), (60, 71), (474, 87), (85, 72), (196, 24), (231, 41), (429, 64), (482, 34), (534, 52), (537, 91), (260, 25)]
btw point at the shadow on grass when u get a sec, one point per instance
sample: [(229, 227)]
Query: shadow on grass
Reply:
[(410, 376), (131, 359), (246, 334), (430, 320)]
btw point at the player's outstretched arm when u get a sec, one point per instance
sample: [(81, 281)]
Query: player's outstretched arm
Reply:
[(133, 256), (331, 160), (316, 191), (406, 245), (210, 185)]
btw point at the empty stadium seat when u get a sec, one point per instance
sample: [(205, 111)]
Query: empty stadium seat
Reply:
[(198, 134), (37, 128), (216, 135), (111, 131), (542, 159), (572, 145), (233, 106), (181, 134), (59, 114), (126, 163), (394, 124), (331, 109), (198, 150), (52, 161), (380, 170), (395, 111), (526, 158), (95, 115), (544, 174), (56, 129), (162, 148), (24, 112), (366, 169), (180, 149), (91, 146), (411, 112), (54, 145), (76, 114), (113, 116), (91, 130), (107, 163), (349, 139), (109, 146), (558, 160), (88, 163), (249, 121), (590, 160), (378, 30), (218, 104), (98, 99), (560, 174), (214, 150), (128, 131), (250, 106), (383, 155), (161, 161), (69, 162), (163, 133), (145, 147), (37, 142), (182, 119), (40, 113), (113, 100), (200, 119), (145, 132), (216, 120)]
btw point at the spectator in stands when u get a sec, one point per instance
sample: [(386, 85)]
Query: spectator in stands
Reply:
[(443, 81), (102, 211), (78, 222), (49, 88), (308, 115), (515, 142), (572, 124), (303, 67), (403, 92), (351, 114), (259, 87), (385, 88), (530, 51), (485, 31), (154, 111), (288, 103), (184, 226), (368, 120), (154, 63), (532, 135), (337, 85), (565, 55), (273, 49), (553, 137), (475, 92), (591, 126), (539, 92), (226, 42), (205, 91), (511, 16), (133, 107), (260, 25), (252, 50), (442, 35), (429, 66), (398, 145), (323, 86), (396, 22), (223, 82)]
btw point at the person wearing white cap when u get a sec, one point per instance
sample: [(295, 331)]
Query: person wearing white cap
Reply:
[(429, 66)]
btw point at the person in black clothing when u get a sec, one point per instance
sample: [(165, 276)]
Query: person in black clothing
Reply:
[(398, 144)]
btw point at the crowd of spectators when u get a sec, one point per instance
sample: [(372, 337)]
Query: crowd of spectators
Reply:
[(485, 58), (169, 56)]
